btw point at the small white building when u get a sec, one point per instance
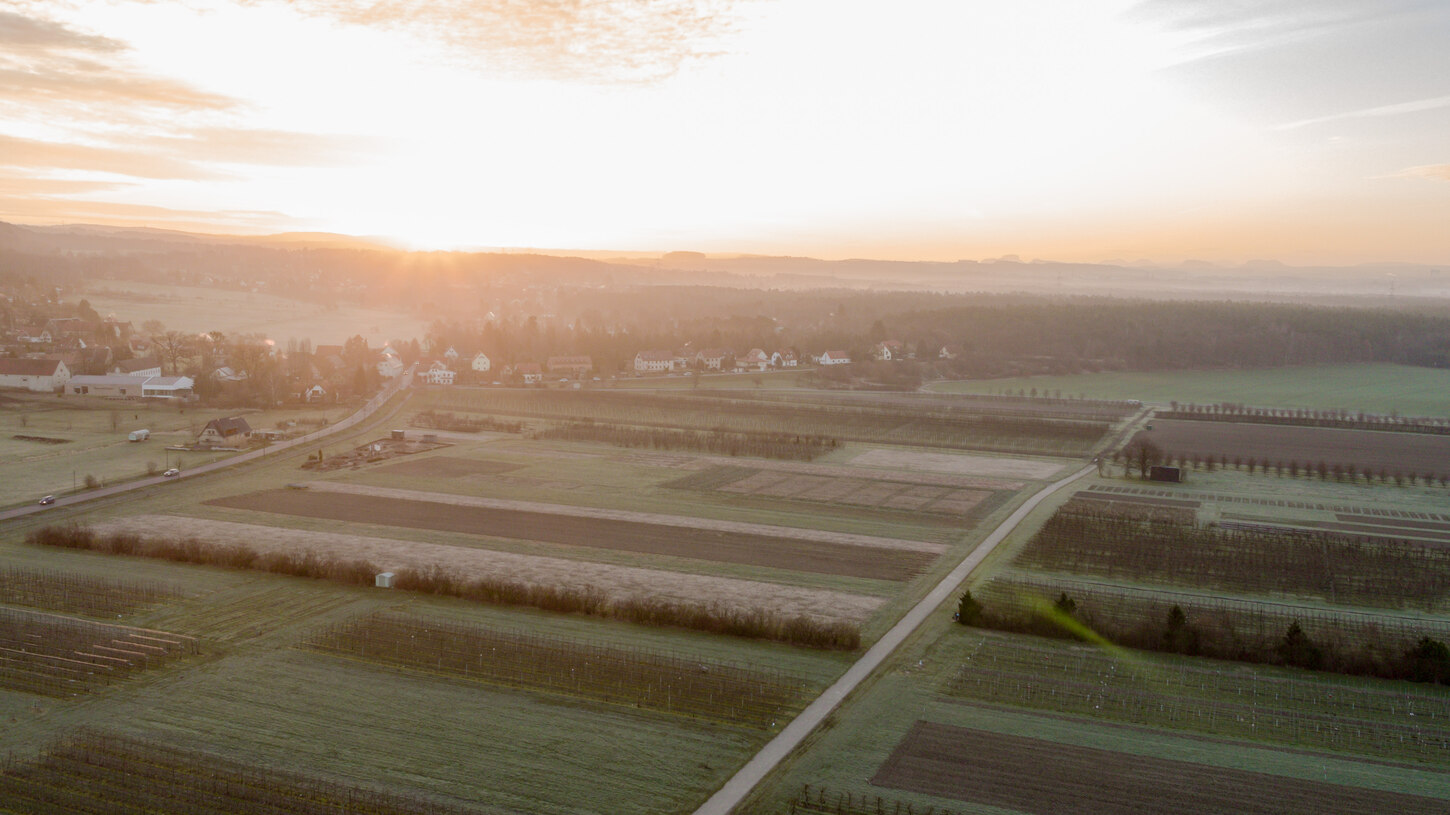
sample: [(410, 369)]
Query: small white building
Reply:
[(835, 358), (389, 366), (439, 374), (481, 363), (654, 361)]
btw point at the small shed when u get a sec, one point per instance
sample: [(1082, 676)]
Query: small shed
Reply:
[(1159, 472), (398, 435), (384, 580)]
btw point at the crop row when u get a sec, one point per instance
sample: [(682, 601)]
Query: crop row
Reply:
[(819, 801), (113, 775), (680, 685), (79, 594), (63, 656), (1333, 567), (1387, 720)]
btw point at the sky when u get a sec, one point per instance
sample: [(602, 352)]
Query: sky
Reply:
[(1072, 130)]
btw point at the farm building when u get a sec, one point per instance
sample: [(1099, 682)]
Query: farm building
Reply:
[(131, 386), (573, 366), (230, 431), (1158, 472), (784, 359), (39, 375), (654, 361), (140, 366), (712, 359), (530, 372), (167, 387), (835, 358)]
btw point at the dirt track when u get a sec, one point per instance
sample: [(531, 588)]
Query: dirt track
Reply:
[(1032, 775), (750, 548), (617, 581)]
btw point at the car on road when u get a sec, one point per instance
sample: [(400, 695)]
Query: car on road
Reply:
[(49, 499), (171, 473)]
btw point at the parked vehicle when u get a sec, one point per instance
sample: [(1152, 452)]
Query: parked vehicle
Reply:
[(171, 473), (49, 499), (140, 435)]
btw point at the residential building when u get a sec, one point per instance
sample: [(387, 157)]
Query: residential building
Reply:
[(38, 375), (230, 431)]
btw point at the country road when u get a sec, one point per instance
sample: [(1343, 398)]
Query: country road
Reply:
[(362, 415), (740, 785)]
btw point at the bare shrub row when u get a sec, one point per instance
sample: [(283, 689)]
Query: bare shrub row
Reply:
[(1217, 633), (756, 623), (718, 441), (444, 420)]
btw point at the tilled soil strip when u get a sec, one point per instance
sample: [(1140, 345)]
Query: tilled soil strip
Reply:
[(1039, 776), (628, 536), (468, 563), (650, 518)]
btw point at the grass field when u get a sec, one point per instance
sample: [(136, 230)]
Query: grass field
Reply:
[(90, 438), (196, 309), (1373, 388)]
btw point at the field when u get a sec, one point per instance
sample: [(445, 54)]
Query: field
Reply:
[(506, 707), (467, 562), (729, 695), (1377, 388), (200, 309), (63, 656), (929, 424), (102, 774), (79, 594), (771, 551), (1007, 771), (1367, 450), (90, 439)]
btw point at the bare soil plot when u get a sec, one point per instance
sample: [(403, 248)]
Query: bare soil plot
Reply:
[(1394, 452), (624, 535), (449, 467), (956, 464), (1039, 776), (617, 581)]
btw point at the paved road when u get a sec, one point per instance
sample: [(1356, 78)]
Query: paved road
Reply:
[(362, 415), (740, 785)]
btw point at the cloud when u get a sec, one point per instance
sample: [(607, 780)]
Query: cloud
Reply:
[(1434, 172), (264, 147), (1397, 109), (1234, 24), (31, 154), (43, 62), (41, 186), (21, 33), (589, 40), (57, 210)]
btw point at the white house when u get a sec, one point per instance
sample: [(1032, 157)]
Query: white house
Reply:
[(784, 359), (231, 430), (451, 355), (39, 375), (481, 363), (654, 361), (438, 374), (753, 360), (835, 358), (389, 366), (889, 350), (530, 372)]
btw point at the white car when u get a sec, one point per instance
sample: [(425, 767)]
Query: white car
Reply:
[(171, 473)]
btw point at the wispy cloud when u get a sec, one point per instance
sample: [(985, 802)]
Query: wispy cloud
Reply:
[(277, 148), (58, 210), (589, 40), (32, 153), (1227, 25), (21, 33), (1434, 172), (1398, 109)]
